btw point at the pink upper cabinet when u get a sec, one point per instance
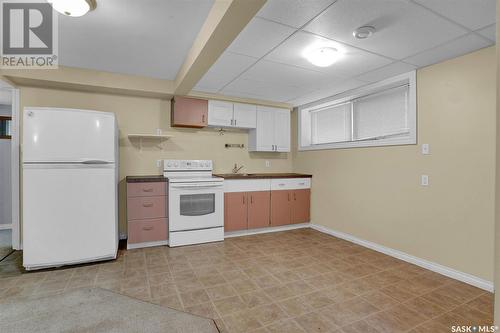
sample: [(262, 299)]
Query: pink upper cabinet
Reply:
[(189, 112)]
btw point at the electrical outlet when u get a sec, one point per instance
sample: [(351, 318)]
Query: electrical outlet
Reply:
[(268, 164), (425, 149), (158, 163), (424, 180)]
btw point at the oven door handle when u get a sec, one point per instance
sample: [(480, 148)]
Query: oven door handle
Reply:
[(208, 185)]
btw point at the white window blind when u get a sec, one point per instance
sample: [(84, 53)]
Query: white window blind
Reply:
[(381, 115), (331, 124)]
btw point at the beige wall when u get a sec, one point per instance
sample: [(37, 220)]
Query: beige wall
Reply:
[(374, 193), (497, 186), (145, 115)]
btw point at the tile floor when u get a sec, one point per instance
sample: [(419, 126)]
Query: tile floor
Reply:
[(294, 281), (5, 243)]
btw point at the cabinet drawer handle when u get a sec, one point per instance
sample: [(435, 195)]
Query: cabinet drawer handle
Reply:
[(251, 199), (150, 204), (302, 183), (294, 197), (243, 199), (281, 184), (147, 228), (149, 189), (203, 118), (288, 196)]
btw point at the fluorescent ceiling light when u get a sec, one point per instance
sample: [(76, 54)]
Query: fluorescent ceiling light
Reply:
[(73, 8), (322, 56)]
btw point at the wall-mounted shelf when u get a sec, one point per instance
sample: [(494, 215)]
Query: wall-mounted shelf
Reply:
[(141, 137)]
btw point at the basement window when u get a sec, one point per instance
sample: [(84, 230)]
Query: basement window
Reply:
[(379, 114)]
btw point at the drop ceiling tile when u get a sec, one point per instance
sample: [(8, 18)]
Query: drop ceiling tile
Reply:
[(129, 37), (455, 48), (327, 92), (353, 61), (294, 13), (205, 89), (489, 32), (263, 90), (226, 68), (403, 28), (259, 37), (386, 72), (276, 73), (474, 14)]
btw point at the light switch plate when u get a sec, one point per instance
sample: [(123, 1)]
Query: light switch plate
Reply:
[(158, 163), (268, 164), (424, 180), (425, 149)]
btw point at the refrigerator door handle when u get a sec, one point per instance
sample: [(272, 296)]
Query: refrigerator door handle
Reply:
[(95, 162)]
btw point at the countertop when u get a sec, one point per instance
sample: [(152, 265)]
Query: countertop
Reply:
[(261, 175), (146, 179)]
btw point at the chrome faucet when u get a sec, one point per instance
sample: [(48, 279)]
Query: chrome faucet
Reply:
[(237, 169)]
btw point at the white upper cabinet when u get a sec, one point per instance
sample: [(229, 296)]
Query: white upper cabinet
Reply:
[(220, 113), (272, 132), (227, 114), (282, 130), (245, 115)]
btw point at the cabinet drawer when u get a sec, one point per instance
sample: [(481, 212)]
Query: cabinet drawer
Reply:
[(290, 183), (139, 208), (146, 189), (247, 185), (142, 231)]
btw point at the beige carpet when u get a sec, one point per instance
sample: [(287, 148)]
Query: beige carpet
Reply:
[(96, 310)]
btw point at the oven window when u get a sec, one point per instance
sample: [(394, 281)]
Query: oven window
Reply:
[(197, 204)]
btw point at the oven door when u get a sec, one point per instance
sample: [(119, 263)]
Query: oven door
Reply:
[(195, 206)]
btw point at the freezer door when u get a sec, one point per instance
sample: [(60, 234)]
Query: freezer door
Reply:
[(68, 135), (69, 214)]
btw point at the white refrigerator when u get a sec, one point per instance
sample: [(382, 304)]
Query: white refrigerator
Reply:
[(70, 187)]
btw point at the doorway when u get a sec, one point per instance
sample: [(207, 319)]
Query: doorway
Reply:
[(5, 173), (9, 170)]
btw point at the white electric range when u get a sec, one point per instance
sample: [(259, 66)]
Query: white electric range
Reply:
[(195, 202)]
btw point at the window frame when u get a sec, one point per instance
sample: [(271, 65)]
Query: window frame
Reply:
[(304, 137)]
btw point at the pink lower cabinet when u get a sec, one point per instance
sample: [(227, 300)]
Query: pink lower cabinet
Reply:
[(290, 206), (280, 207), (259, 209), (235, 211), (246, 210), (146, 231), (301, 206), (147, 213)]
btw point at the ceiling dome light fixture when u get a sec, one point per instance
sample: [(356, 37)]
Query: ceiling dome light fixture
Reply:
[(75, 8), (322, 56), (363, 32)]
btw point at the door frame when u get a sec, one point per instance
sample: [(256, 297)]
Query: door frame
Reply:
[(15, 164)]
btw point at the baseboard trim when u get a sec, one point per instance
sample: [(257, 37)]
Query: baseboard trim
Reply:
[(5, 226), (265, 230), (435, 267), (146, 244)]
